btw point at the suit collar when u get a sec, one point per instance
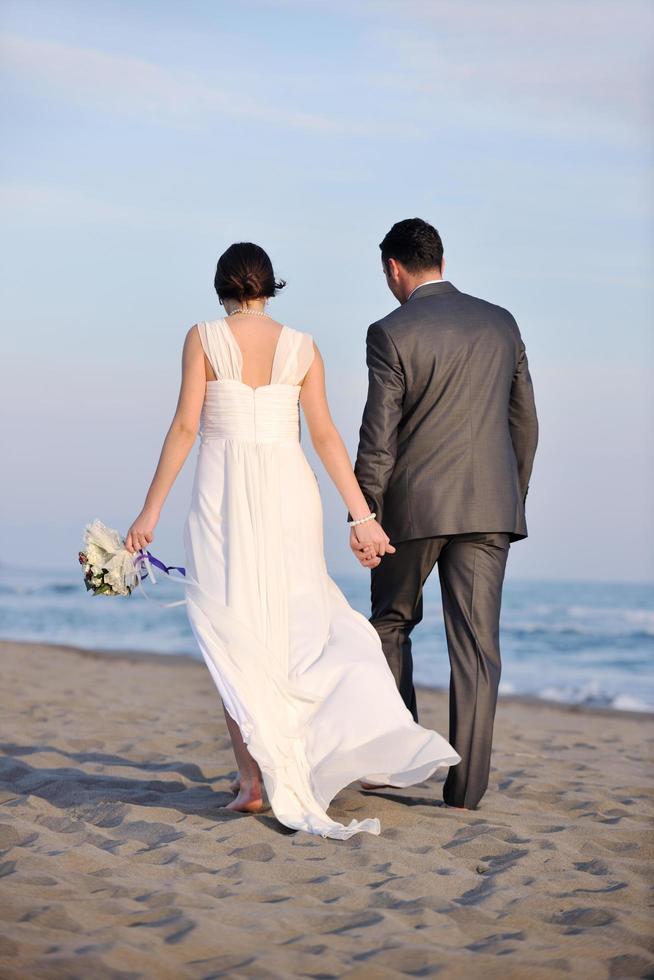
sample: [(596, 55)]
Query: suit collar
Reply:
[(432, 289)]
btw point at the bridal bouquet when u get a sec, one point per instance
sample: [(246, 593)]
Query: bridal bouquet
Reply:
[(109, 568)]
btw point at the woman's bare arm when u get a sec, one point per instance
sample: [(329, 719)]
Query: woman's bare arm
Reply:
[(333, 454), (177, 443)]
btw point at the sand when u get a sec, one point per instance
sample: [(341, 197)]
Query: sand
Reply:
[(116, 860)]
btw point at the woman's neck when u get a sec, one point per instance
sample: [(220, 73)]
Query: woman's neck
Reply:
[(256, 305)]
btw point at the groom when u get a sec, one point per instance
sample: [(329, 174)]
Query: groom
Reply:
[(446, 448)]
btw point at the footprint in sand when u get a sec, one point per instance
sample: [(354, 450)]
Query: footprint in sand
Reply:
[(576, 920), (254, 852), (593, 867)]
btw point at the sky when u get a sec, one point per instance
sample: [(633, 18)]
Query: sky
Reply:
[(142, 138)]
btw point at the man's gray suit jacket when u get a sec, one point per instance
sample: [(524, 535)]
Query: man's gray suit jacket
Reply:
[(449, 430)]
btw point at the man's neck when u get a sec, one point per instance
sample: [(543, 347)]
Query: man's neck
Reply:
[(424, 282)]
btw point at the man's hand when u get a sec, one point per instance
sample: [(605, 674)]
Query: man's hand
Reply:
[(370, 544), (361, 552)]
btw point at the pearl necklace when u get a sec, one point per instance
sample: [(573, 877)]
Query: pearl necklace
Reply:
[(251, 312)]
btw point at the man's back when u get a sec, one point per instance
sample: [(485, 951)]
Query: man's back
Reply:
[(446, 448), (449, 432)]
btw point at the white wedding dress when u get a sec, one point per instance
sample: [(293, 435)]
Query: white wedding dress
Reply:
[(301, 672)]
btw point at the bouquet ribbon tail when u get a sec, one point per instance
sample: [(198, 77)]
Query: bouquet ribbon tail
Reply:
[(144, 561)]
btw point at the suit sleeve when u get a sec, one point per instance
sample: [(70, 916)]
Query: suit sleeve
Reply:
[(523, 421), (381, 417)]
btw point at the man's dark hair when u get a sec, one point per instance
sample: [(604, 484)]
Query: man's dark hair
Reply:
[(414, 243), (245, 271)]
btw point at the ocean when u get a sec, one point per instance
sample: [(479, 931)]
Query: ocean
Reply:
[(575, 642)]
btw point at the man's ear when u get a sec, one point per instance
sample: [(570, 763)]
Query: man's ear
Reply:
[(443, 267), (393, 269)]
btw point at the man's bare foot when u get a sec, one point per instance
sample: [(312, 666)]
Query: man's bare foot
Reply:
[(248, 800)]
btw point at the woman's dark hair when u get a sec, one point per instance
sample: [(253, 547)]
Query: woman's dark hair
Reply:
[(414, 243), (244, 271)]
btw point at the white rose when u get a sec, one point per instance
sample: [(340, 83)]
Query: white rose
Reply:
[(103, 537), (96, 556), (120, 567)]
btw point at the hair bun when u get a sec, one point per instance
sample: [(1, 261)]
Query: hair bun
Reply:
[(244, 271), (250, 286)]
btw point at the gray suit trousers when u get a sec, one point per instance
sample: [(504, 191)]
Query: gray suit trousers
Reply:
[(471, 570)]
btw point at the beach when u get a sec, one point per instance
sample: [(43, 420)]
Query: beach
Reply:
[(117, 861)]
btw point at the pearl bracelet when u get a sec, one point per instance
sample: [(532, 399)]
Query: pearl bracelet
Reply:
[(362, 520)]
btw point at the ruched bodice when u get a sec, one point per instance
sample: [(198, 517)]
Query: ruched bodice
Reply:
[(267, 414)]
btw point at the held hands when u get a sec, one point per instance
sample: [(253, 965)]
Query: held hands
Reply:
[(141, 533), (369, 542)]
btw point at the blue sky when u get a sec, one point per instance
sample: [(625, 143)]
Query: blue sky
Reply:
[(142, 138)]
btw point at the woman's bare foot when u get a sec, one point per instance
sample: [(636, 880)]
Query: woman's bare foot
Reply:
[(247, 786), (248, 800)]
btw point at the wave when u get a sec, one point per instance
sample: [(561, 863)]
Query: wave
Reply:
[(606, 634), (590, 694), (593, 695), (50, 588)]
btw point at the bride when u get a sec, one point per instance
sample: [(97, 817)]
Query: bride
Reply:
[(309, 699)]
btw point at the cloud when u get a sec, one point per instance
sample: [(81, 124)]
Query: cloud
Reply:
[(47, 205), (133, 86), (577, 68), (565, 69)]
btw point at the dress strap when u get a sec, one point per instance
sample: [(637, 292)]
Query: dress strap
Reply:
[(294, 357), (223, 355), (305, 357)]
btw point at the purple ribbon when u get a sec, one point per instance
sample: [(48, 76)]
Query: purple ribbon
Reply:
[(159, 564)]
